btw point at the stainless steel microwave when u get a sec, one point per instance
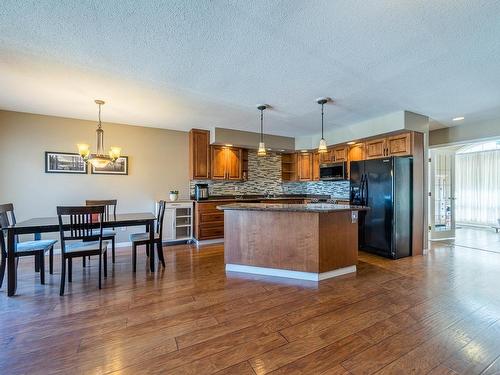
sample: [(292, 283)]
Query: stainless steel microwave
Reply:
[(333, 171)]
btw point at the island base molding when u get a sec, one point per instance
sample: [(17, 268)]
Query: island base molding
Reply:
[(309, 276)]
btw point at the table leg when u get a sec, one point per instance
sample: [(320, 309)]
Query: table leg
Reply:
[(11, 263), (151, 247)]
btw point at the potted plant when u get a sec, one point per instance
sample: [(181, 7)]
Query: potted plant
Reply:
[(174, 195)]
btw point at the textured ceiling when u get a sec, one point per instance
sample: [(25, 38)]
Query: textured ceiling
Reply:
[(183, 64)]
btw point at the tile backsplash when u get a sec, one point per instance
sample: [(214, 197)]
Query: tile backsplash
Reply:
[(264, 177)]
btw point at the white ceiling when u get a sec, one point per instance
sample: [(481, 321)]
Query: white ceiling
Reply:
[(182, 64)]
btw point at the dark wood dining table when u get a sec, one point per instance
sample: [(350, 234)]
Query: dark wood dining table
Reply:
[(37, 226)]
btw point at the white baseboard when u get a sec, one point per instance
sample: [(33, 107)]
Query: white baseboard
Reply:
[(310, 276), (208, 242)]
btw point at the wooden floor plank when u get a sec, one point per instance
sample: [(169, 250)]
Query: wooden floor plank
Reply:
[(436, 314)]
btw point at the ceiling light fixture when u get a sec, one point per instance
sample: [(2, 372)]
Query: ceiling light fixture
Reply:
[(322, 143), (460, 118), (262, 147), (99, 159)]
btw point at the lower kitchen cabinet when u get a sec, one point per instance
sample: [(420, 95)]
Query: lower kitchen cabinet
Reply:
[(178, 221)]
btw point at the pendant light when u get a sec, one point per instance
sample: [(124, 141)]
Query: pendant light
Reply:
[(322, 143), (99, 159), (262, 147)]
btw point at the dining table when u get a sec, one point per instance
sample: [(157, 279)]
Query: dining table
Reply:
[(37, 226)]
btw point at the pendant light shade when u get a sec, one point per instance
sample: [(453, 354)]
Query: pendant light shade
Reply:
[(262, 147), (100, 159), (322, 143)]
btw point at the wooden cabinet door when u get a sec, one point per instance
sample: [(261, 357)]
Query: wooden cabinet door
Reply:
[(340, 154), (219, 157), (234, 163), (315, 166), (326, 157), (199, 154), (399, 144), (304, 166), (376, 148), (357, 152)]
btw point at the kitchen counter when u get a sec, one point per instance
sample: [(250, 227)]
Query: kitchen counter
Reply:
[(308, 207), (302, 241)]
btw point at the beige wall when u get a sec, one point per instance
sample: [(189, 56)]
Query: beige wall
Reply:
[(250, 140), (465, 133), (158, 163)]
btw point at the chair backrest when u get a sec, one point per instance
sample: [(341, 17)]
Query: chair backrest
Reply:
[(109, 207), (82, 222), (159, 218), (6, 210)]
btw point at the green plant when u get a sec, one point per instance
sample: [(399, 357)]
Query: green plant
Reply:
[(174, 192)]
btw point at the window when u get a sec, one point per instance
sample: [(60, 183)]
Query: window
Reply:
[(477, 184)]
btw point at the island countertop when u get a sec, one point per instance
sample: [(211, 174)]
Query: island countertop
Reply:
[(309, 207)]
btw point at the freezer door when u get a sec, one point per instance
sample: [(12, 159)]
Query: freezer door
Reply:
[(356, 172), (378, 221)]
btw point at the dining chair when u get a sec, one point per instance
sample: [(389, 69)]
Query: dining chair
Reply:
[(108, 234), (138, 239), (82, 238), (36, 248)]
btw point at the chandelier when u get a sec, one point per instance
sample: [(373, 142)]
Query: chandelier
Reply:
[(99, 159)]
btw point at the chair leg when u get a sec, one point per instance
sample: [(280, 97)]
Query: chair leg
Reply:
[(63, 275), (51, 260), (100, 268), (2, 270), (37, 263), (134, 257), (70, 270), (113, 248), (160, 253), (83, 262), (42, 267), (106, 264)]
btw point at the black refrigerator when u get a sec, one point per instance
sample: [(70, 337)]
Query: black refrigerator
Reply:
[(385, 186)]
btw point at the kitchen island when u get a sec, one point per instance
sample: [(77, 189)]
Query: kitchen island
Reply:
[(312, 241)]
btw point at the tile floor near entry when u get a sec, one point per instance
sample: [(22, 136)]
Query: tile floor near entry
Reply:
[(433, 314)]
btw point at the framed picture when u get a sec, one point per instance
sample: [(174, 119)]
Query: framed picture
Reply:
[(120, 166), (64, 162)]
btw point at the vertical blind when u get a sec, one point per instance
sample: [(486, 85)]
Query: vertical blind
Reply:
[(477, 187)]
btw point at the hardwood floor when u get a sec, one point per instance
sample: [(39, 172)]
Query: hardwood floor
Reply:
[(432, 314)]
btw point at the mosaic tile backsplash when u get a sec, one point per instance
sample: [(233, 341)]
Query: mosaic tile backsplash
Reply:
[(264, 177)]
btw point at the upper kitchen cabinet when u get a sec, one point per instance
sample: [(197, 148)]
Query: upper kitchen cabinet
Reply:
[(375, 148), (199, 154), (304, 166), (316, 162), (357, 152), (394, 145), (340, 154), (335, 154), (326, 157), (289, 167), (227, 163), (399, 144)]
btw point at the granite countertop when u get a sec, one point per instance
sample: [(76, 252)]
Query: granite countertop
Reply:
[(310, 207)]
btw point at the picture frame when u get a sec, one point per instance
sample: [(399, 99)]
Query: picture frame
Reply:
[(64, 162), (119, 167)]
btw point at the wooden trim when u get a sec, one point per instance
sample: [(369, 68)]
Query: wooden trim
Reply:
[(419, 190)]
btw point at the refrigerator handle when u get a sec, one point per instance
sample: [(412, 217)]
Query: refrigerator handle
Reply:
[(365, 190)]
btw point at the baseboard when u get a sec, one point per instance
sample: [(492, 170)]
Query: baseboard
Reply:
[(208, 242), (310, 276)]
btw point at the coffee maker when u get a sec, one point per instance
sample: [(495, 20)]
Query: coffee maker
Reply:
[(200, 192)]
